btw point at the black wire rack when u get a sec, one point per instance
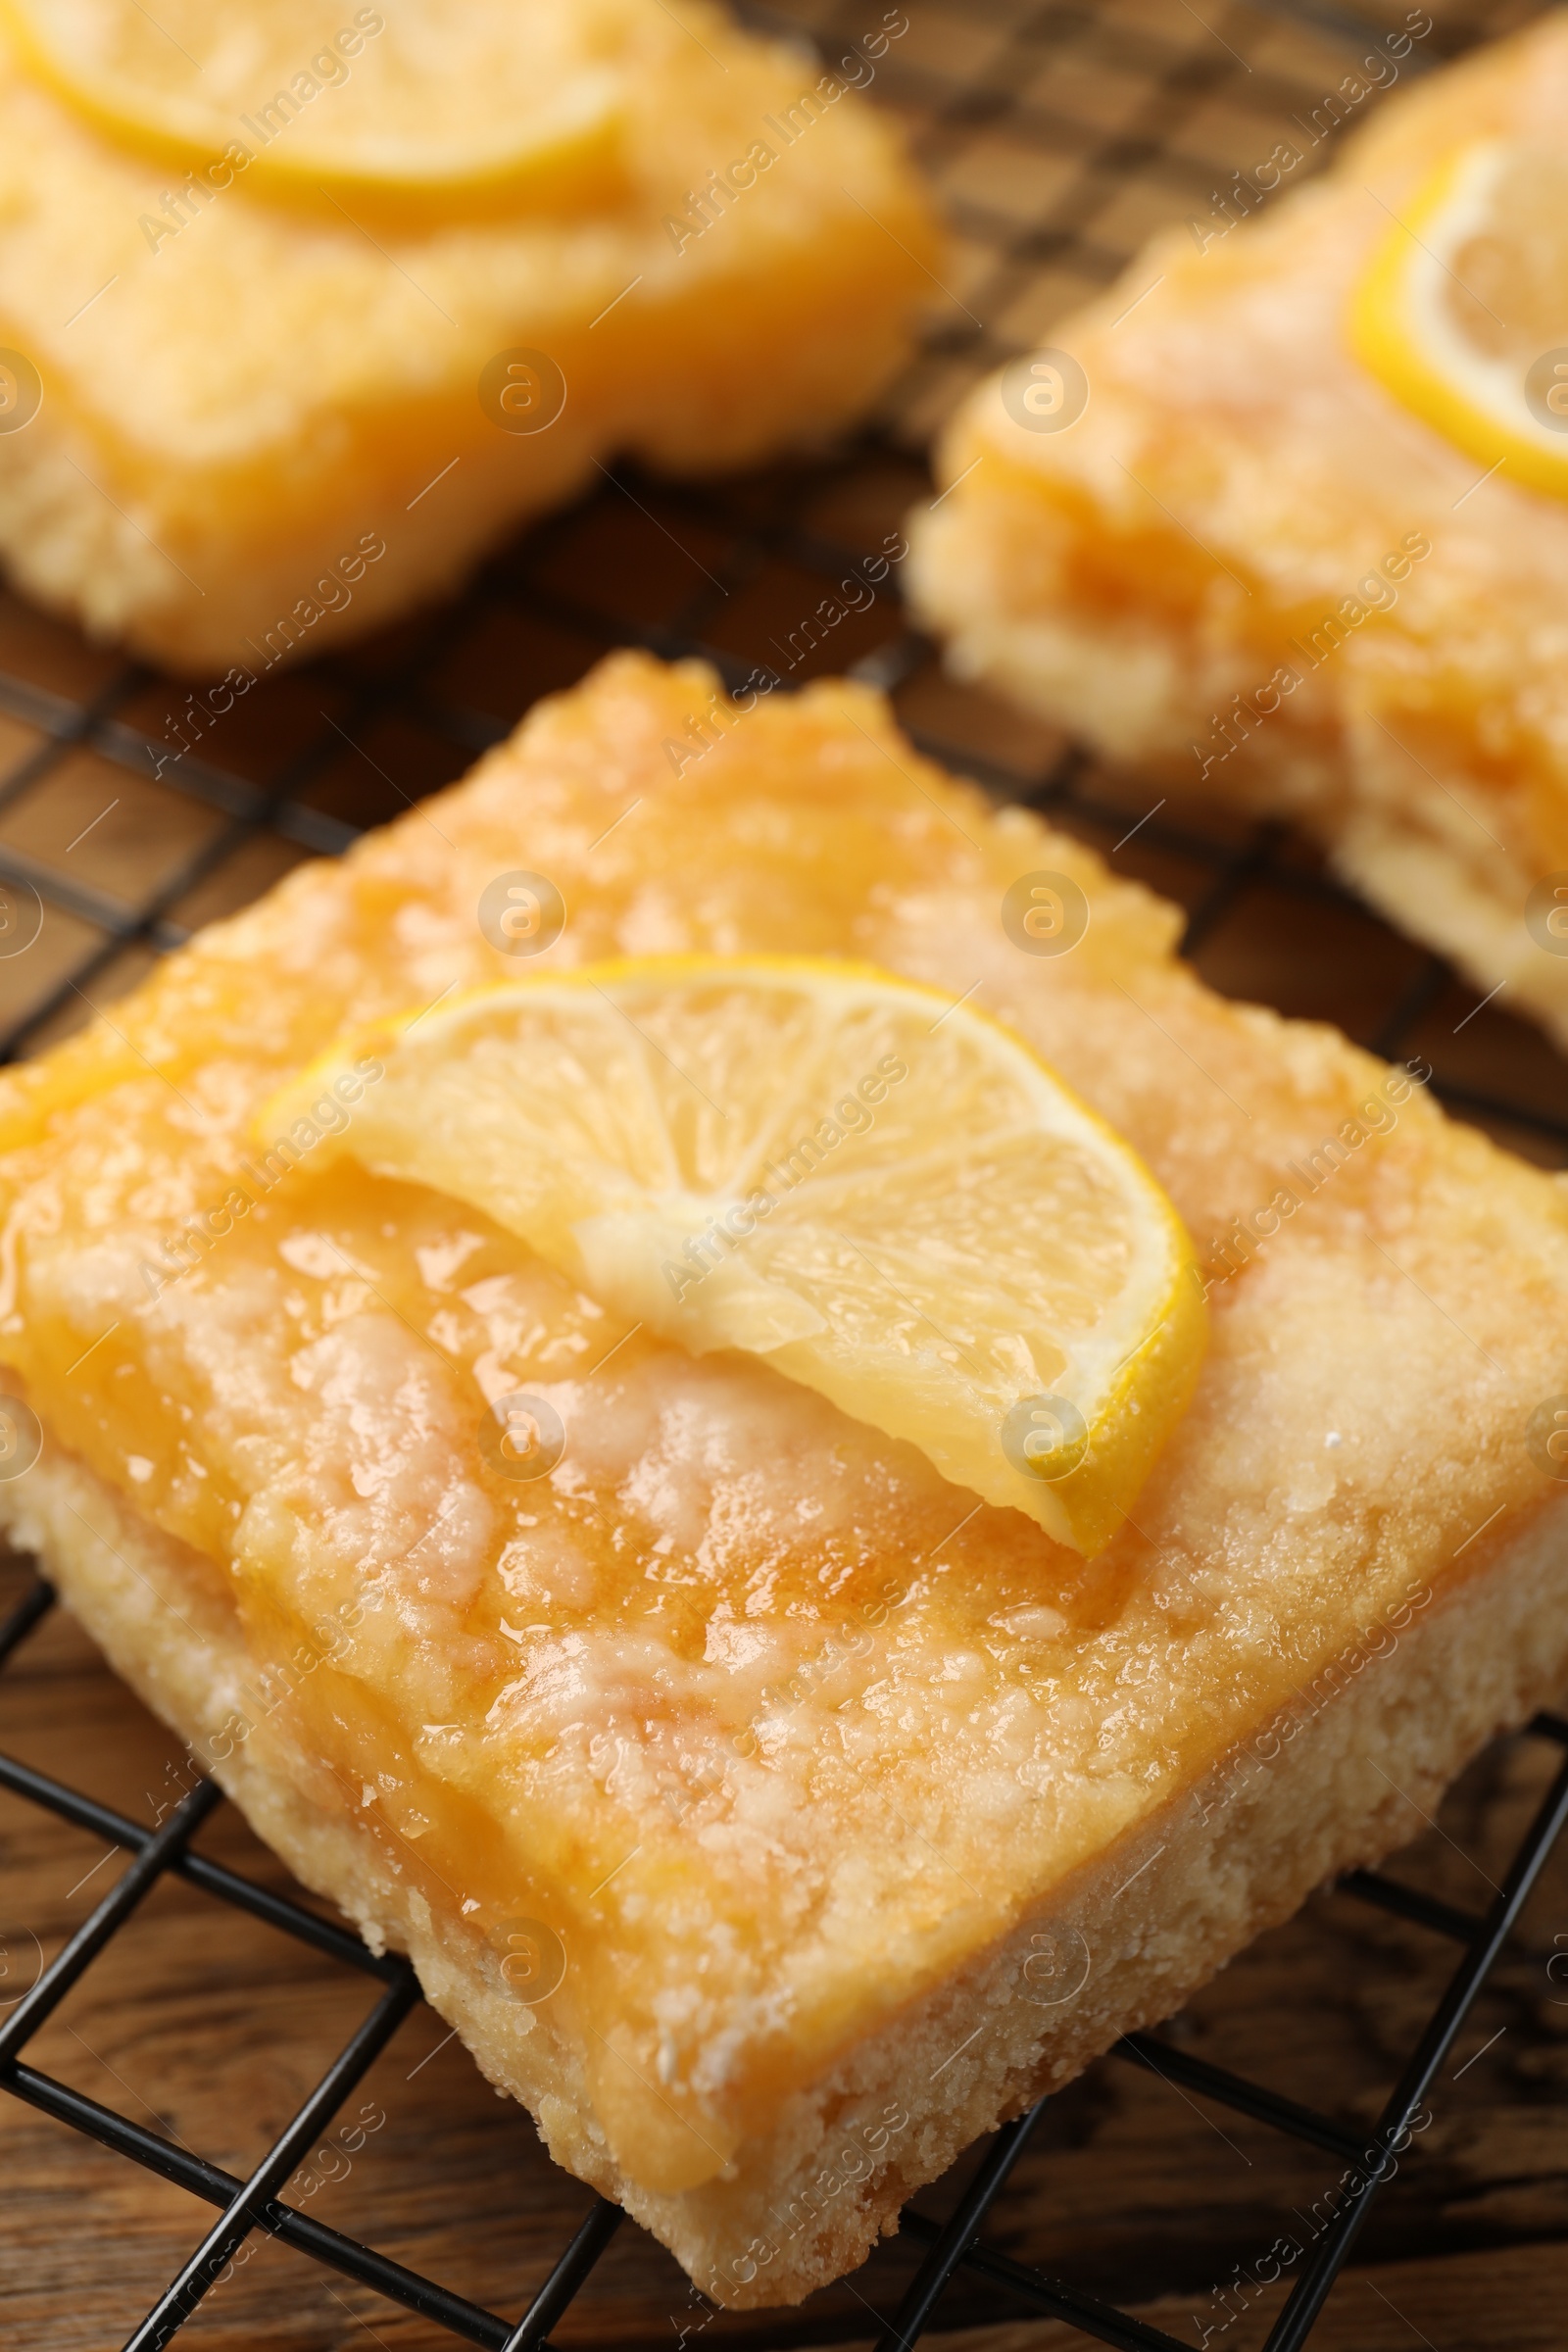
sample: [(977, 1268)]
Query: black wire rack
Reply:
[(1059, 136)]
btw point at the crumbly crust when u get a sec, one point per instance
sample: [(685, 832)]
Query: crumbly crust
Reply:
[(1335, 1785)]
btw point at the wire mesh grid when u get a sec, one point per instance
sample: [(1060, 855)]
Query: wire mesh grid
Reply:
[(130, 811)]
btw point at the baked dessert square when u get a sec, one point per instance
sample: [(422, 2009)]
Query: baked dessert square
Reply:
[(770, 1814), (1280, 519), (278, 365)]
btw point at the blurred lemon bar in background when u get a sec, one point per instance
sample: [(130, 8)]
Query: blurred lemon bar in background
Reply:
[(302, 305), (1283, 516)]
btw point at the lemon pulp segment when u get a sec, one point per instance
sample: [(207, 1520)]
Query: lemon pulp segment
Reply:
[(1462, 312), (886, 1194), (415, 100)]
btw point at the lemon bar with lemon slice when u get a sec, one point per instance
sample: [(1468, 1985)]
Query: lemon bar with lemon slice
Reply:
[(302, 307), (1283, 518), (734, 1410)]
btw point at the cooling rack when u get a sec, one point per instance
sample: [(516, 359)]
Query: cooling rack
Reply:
[(1059, 136)]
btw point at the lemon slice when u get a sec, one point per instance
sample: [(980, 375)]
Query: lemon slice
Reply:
[(1463, 309), (416, 99), (884, 1193)]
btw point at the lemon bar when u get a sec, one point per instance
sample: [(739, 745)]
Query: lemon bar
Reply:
[(1281, 519), (770, 1813), (277, 365)]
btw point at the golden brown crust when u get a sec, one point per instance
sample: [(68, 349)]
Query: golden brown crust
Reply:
[(1333, 1785)]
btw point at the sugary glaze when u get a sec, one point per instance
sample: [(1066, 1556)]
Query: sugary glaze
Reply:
[(260, 386), (1234, 479), (772, 1726)]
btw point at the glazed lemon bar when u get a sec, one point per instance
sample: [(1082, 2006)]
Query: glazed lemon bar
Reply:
[(302, 307), (1283, 518), (771, 1798)]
